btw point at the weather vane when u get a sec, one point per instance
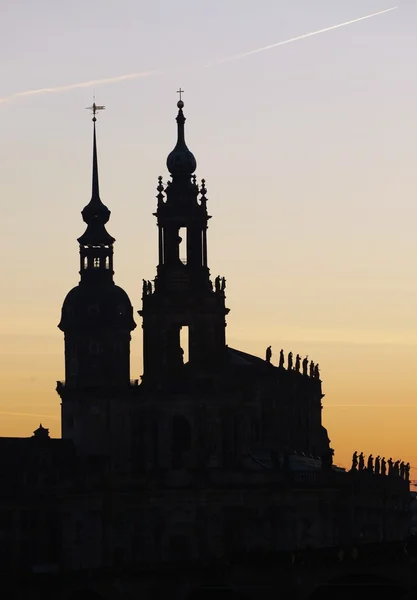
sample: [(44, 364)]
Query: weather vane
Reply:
[(95, 108), (180, 91)]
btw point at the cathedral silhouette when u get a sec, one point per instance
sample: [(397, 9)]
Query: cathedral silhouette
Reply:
[(207, 457)]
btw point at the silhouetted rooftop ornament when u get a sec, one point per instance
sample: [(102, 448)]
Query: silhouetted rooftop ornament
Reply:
[(95, 214), (160, 190), (41, 433), (181, 160)]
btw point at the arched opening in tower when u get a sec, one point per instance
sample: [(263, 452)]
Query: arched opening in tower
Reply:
[(185, 342), (180, 441), (182, 240)]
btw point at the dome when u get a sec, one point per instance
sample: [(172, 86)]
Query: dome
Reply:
[(93, 306), (181, 160)]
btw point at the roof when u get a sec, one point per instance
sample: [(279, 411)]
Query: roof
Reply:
[(243, 359)]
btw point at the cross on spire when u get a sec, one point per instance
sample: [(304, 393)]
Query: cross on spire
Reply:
[(180, 91), (95, 108)]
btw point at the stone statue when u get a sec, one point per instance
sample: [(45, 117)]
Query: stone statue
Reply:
[(402, 469), (377, 465), (361, 462), (311, 369), (317, 372), (354, 461), (370, 463), (217, 283), (297, 363), (397, 468), (383, 466), (289, 366), (407, 471), (390, 467), (223, 286), (144, 287), (268, 354), (149, 287), (281, 359), (305, 366)]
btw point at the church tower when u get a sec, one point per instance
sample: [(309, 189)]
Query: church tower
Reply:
[(182, 296), (97, 320)]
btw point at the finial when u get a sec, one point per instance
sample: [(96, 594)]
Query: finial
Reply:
[(95, 108), (203, 188), (180, 103), (160, 189)]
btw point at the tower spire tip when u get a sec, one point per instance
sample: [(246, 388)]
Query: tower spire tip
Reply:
[(180, 102), (94, 109)]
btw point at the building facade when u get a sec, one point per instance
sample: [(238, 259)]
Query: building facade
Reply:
[(196, 461)]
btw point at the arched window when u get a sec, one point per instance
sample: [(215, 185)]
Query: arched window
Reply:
[(255, 430), (94, 347), (93, 310), (179, 547), (74, 367), (180, 440), (85, 262), (107, 263), (118, 348)]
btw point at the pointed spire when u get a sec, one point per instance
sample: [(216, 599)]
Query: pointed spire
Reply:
[(95, 214), (181, 160), (95, 193), (95, 211)]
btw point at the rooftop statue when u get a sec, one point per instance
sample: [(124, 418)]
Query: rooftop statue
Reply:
[(268, 354), (297, 363), (305, 366)]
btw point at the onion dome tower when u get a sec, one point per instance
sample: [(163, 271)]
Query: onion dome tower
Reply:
[(183, 296), (97, 315)]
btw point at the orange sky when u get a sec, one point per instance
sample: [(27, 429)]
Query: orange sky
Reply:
[(309, 151)]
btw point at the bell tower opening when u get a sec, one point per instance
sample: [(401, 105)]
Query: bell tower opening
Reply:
[(182, 241), (185, 342)]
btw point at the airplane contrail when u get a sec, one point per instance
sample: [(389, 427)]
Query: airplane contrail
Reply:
[(299, 37), (118, 78), (75, 86)]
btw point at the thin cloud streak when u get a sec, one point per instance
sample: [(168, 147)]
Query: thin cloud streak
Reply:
[(119, 78), (15, 414), (299, 37), (75, 86), (371, 406)]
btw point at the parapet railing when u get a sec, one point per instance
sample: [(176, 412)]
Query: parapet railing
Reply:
[(106, 385)]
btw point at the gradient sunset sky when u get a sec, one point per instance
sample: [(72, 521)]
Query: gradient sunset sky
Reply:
[(309, 151)]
